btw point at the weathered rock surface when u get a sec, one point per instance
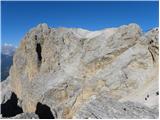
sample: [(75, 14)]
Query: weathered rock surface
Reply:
[(64, 68), (5, 91), (25, 116), (105, 107)]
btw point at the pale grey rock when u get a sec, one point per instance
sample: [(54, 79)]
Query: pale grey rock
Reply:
[(25, 116), (108, 108), (74, 64), (6, 92)]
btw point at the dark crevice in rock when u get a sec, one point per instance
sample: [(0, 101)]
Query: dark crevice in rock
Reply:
[(151, 55), (151, 42), (95, 116), (10, 108), (35, 37), (155, 47), (38, 50), (43, 111)]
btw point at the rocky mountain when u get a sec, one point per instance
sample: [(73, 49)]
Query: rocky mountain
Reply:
[(76, 73), (7, 52)]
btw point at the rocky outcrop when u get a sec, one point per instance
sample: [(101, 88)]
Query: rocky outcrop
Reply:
[(62, 69)]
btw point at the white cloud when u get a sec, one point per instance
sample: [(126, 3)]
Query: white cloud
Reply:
[(9, 45)]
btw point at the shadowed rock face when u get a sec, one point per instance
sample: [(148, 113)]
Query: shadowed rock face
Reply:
[(44, 112), (10, 108), (59, 70)]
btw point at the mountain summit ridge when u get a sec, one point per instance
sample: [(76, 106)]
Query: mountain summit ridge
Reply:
[(74, 72)]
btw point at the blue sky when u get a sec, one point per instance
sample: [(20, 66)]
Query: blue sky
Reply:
[(19, 17)]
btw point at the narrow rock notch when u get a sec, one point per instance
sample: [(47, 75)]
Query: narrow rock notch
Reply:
[(43, 111), (38, 50)]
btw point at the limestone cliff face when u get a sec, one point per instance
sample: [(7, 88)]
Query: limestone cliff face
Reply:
[(64, 68)]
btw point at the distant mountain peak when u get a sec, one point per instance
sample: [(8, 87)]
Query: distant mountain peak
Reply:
[(8, 49)]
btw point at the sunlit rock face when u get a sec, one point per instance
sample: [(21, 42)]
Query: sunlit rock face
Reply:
[(69, 69)]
